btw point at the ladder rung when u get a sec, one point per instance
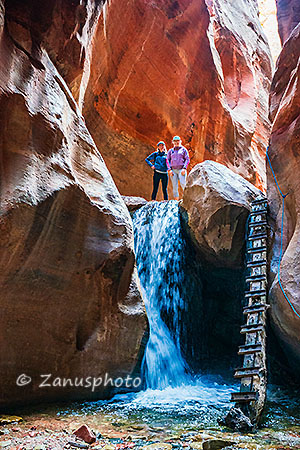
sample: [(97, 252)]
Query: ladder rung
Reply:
[(255, 293), (250, 349), (258, 224), (257, 201), (251, 328), (259, 307), (254, 237), (259, 263), (247, 372), (256, 249), (251, 278), (243, 396), (261, 222), (258, 212)]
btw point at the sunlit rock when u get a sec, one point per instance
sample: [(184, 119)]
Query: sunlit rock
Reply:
[(200, 69)]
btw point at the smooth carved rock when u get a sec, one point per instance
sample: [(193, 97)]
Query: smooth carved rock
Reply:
[(284, 153), (288, 15), (217, 202), (201, 69), (70, 302), (134, 203)]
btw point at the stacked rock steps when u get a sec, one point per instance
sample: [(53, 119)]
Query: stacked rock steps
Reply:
[(252, 374)]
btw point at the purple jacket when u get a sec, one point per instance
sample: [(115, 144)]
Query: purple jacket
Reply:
[(177, 158)]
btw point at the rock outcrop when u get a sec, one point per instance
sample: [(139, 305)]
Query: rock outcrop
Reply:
[(198, 68), (134, 203), (69, 295), (284, 154), (288, 14), (217, 202)]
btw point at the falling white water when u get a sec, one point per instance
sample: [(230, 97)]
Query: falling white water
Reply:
[(159, 249), (161, 261)]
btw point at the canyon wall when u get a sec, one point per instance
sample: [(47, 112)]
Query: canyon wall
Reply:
[(197, 68), (69, 295), (288, 14), (284, 154)]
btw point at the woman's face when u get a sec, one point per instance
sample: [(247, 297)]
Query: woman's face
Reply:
[(161, 147)]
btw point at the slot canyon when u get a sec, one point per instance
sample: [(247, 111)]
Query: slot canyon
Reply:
[(97, 281)]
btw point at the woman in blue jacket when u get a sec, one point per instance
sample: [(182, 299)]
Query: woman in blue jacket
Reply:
[(158, 162)]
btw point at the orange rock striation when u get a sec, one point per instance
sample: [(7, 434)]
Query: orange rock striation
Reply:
[(197, 68)]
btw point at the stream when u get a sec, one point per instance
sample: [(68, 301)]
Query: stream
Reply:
[(178, 407)]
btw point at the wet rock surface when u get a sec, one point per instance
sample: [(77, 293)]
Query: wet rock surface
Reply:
[(285, 158), (237, 420), (68, 284), (201, 69)]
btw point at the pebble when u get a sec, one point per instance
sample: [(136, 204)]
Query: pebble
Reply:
[(4, 444), (196, 445), (108, 447), (78, 444), (86, 434), (158, 446), (216, 444), (4, 419)]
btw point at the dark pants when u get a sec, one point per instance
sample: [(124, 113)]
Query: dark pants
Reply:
[(164, 182)]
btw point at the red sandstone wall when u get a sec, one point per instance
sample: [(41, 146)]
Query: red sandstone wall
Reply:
[(285, 157), (196, 68), (288, 14), (70, 303)]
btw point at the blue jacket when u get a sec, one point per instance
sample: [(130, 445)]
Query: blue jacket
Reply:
[(158, 160)]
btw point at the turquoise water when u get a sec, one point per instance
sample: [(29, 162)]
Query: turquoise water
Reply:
[(178, 406)]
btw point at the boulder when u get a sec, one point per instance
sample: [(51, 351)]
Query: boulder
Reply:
[(238, 421), (134, 203), (69, 296), (201, 69), (284, 153), (216, 203)]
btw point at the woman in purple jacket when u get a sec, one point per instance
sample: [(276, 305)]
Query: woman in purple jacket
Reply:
[(177, 162)]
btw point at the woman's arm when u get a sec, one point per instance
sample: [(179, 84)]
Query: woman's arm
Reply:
[(186, 159), (150, 159)]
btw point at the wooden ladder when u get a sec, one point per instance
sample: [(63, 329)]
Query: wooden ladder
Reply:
[(253, 372)]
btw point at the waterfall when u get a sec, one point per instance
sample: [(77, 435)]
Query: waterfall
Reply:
[(160, 250)]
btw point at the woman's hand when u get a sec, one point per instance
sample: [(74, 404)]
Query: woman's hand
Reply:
[(152, 167), (183, 172), (170, 173)]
